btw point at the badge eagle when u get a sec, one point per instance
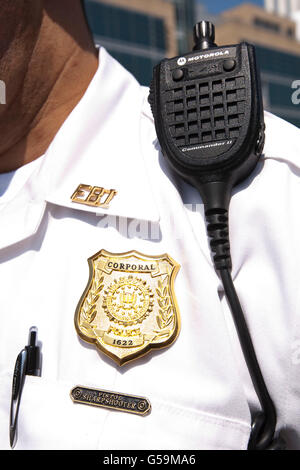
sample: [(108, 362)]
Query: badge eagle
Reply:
[(129, 305)]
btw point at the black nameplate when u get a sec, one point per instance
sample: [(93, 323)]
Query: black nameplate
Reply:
[(112, 400)]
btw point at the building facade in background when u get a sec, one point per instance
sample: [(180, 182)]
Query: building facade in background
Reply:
[(290, 8), (140, 33), (277, 49)]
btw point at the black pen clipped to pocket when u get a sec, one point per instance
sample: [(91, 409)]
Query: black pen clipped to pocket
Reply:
[(28, 363)]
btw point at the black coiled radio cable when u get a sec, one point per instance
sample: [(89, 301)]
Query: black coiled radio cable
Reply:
[(264, 422)]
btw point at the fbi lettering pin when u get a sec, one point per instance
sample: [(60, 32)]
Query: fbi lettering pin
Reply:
[(129, 307)]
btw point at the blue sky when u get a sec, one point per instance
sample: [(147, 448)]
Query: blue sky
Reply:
[(216, 6)]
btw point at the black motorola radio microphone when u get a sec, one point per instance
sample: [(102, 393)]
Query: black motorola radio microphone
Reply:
[(208, 113)]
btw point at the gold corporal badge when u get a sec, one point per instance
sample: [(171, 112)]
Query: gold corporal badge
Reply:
[(129, 305)]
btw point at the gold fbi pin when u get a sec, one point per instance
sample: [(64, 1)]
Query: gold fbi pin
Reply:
[(94, 196), (129, 305)]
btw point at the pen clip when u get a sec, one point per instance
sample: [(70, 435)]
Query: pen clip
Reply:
[(28, 363), (17, 386)]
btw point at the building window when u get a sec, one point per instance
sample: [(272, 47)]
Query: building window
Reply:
[(125, 25), (277, 62), (266, 24), (280, 96)]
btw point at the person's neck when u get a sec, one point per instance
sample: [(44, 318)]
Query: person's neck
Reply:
[(57, 75)]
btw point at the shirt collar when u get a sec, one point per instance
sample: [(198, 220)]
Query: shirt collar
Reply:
[(100, 145)]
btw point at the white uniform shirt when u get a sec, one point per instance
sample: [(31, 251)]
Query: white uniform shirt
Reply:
[(198, 387)]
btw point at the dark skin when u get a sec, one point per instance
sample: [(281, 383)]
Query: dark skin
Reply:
[(47, 60)]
